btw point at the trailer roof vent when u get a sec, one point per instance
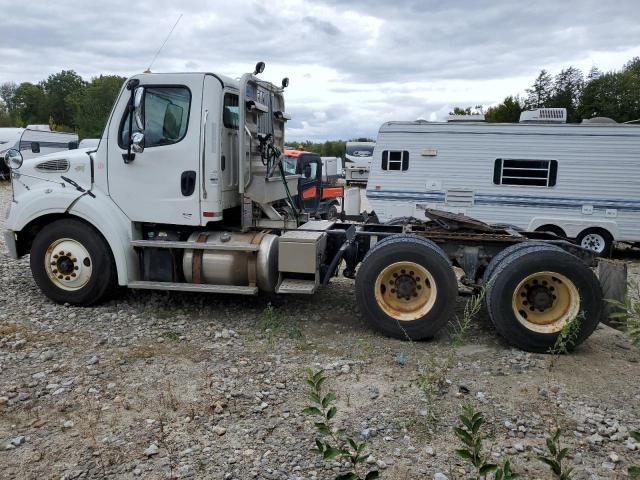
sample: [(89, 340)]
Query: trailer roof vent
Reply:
[(544, 115), (476, 117)]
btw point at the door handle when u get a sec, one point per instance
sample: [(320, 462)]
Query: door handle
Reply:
[(188, 183)]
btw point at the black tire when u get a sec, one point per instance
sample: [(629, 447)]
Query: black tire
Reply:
[(520, 265), (332, 213), (102, 279), (606, 241), (426, 254), (497, 260)]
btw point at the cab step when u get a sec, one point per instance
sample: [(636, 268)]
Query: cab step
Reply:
[(194, 287), (238, 247), (296, 285)]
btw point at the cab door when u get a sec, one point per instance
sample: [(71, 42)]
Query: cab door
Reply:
[(310, 182), (161, 184)]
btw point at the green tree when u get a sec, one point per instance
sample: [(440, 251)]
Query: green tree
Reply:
[(567, 90), (7, 94), (60, 89), (29, 105), (5, 118), (92, 105), (477, 110), (506, 112), (540, 92)]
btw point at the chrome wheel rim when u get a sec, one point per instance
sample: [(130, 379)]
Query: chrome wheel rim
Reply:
[(68, 264), (594, 242)]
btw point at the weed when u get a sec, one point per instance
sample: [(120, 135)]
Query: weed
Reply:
[(273, 325), (504, 471), (171, 336), (144, 351), (566, 339), (471, 309), (432, 380), (333, 443), (163, 440), (363, 346), (627, 313), (470, 435), (556, 456), (634, 470)]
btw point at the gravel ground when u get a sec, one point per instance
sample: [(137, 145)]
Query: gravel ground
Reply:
[(154, 385)]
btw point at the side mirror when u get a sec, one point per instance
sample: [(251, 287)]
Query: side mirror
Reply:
[(73, 145), (13, 159), (285, 82), (35, 147), (259, 68), (137, 142), (307, 171), (138, 103)]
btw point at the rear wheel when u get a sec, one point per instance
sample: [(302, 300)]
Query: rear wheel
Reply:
[(332, 213), (595, 239), (72, 263), (495, 261), (406, 287), (537, 294)]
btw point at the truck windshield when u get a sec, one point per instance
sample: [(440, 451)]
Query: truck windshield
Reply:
[(289, 165)]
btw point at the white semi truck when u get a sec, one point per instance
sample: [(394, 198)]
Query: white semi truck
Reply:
[(186, 191)]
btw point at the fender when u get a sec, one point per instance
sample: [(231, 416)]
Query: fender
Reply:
[(99, 211), (115, 227), (41, 199), (573, 226)]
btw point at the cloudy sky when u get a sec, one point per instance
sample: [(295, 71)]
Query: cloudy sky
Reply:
[(353, 64)]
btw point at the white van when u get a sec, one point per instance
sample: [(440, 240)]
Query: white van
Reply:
[(576, 180)]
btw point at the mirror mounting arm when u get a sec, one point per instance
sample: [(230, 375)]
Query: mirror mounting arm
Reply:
[(131, 86)]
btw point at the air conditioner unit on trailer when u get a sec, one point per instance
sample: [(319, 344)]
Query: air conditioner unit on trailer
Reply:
[(544, 115)]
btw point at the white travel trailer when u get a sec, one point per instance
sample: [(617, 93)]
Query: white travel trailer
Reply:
[(577, 180), (358, 161), (34, 141)]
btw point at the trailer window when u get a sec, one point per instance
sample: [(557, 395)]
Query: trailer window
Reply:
[(166, 116), (231, 111), (395, 160), (533, 173)]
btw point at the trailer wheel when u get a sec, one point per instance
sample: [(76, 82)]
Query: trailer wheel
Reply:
[(537, 293), (495, 261), (406, 287), (595, 239), (72, 263)]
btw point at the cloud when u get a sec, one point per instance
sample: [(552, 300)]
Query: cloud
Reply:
[(353, 64)]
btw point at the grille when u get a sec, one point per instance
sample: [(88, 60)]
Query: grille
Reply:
[(58, 165)]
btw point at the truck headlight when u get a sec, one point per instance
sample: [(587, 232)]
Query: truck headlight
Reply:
[(13, 159)]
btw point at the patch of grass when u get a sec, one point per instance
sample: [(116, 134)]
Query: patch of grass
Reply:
[(8, 329)]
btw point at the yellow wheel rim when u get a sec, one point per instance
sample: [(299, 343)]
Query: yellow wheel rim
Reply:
[(545, 301), (405, 291)]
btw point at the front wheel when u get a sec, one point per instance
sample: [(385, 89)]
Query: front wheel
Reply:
[(406, 287), (72, 263), (596, 240)]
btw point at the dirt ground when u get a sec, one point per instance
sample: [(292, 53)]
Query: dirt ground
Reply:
[(160, 385)]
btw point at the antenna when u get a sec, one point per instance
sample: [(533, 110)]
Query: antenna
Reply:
[(148, 70)]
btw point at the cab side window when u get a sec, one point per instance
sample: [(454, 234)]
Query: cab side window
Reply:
[(231, 111), (166, 117)]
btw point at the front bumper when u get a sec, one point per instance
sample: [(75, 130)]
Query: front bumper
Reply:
[(10, 243)]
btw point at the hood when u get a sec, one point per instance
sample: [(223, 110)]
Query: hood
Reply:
[(73, 164)]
